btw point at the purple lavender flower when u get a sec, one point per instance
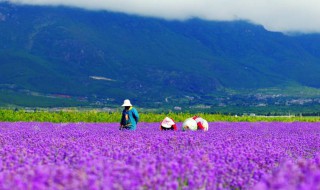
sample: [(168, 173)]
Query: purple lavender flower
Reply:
[(98, 156)]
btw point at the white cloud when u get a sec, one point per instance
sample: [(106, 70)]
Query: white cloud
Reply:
[(276, 15)]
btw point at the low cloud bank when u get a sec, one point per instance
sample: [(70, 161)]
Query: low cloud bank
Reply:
[(275, 15)]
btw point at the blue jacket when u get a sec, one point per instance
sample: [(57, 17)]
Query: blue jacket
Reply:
[(133, 118)]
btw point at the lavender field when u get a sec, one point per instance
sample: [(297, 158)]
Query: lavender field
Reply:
[(241, 155)]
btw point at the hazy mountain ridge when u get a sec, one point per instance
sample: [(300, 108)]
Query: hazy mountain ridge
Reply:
[(57, 50)]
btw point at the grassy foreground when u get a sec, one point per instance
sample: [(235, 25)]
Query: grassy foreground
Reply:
[(95, 116)]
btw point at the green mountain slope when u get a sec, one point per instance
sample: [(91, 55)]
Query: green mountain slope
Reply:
[(103, 55)]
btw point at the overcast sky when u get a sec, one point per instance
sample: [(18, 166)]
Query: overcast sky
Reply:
[(274, 15)]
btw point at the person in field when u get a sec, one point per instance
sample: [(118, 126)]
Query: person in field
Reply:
[(195, 123), (168, 124), (202, 124), (130, 116)]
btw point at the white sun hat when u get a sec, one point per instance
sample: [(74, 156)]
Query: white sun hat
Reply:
[(190, 124), (167, 122), (126, 103)]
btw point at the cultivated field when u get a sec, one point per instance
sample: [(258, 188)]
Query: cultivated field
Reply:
[(237, 155), (99, 116)]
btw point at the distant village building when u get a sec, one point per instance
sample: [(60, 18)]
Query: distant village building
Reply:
[(261, 105), (222, 105), (177, 108), (107, 109), (201, 107)]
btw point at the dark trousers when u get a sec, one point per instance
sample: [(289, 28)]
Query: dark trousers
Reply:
[(125, 127)]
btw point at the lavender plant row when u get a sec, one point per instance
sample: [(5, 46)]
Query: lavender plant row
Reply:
[(99, 156)]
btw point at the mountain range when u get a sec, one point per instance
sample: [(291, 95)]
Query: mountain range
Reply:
[(105, 57)]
